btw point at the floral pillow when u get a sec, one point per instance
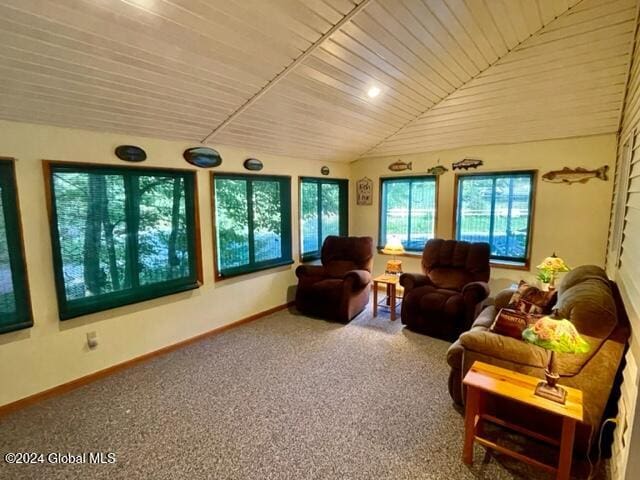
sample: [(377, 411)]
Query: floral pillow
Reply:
[(530, 299)]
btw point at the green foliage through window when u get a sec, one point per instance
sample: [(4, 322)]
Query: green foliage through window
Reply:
[(253, 222), (496, 208), (121, 235), (408, 211), (15, 310), (323, 212)]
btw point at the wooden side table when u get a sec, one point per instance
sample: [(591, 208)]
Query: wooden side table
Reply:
[(484, 379), (391, 300)]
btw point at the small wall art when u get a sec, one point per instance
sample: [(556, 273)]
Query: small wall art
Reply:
[(364, 191), (253, 164), (437, 170), (131, 153), (400, 166), (203, 157), (325, 170)]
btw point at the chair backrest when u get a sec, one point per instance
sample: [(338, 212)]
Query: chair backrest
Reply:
[(451, 264), (342, 254)]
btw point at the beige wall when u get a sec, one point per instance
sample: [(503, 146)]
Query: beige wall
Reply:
[(571, 220), (54, 352)]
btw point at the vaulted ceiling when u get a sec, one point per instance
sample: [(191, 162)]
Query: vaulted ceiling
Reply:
[(291, 77)]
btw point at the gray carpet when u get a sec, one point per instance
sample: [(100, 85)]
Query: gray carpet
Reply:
[(285, 397)]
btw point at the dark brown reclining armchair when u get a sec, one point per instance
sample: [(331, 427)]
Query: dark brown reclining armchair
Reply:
[(444, 301), (339, 288)]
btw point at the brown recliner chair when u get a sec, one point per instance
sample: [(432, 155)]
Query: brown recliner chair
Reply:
[(339, 288), (444, 301)]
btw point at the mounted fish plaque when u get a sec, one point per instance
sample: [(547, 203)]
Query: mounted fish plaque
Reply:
[(400, 166), (324, 170), (437, 170), (467, 163), (576, 175), (131, 153), (203, 157), (253, 164)]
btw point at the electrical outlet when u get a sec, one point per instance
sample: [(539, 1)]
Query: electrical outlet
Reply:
[(92, 340)]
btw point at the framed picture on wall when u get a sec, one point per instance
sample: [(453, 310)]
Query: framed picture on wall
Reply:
[(364, 191)]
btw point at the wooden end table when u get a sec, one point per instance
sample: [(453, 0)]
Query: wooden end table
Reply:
[(484, 379), (391, 300)]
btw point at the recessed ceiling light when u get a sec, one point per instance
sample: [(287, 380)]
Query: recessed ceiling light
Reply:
[(373, 92)]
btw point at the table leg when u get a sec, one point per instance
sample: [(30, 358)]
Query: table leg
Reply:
[(471, 411), (393, 301), (375, 299), (388, 299), (566, 448)]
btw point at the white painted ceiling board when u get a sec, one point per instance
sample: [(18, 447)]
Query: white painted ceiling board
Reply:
[(452, 72)]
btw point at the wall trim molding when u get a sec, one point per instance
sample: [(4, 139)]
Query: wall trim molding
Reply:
[(92, 377)]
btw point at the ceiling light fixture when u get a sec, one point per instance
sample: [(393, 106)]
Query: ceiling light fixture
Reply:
[(373, 92)]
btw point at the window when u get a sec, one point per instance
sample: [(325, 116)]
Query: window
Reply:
[(408, 211), (323, 212), (121, 235), (253, 222), (15, 309), (497, 209)]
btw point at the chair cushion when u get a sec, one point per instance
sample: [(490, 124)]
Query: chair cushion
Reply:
[(441, 300)]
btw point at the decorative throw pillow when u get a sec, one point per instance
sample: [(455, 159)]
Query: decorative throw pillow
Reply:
[(530, 299), (512, 323)]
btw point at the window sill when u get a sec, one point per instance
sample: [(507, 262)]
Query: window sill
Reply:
[(221, 277), (509, 265)]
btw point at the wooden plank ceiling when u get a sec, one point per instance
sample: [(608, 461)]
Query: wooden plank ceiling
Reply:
[(291, 77)]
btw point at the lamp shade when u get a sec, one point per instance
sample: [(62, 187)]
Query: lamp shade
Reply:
[(553, 264), (393, 247), (557, 335)]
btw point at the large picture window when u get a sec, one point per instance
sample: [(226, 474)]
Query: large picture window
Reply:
[(15, 310), (323, 212), (408, 211), (497, 209), (121, 235), (253, 222)]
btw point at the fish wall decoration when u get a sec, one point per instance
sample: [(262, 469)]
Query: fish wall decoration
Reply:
[(437, 170), (400, 166), (576, 175), (467, 163)]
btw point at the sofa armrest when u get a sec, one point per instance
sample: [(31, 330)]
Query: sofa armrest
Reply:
[(310, 271), (475, 292), (413, 280), (504, 348), (357, 279), (503, 297)]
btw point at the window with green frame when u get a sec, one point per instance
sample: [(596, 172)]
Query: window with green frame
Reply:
[(323, 212), (15, 309), (253, 222), (121, 235), (497, 208), (408, 211)]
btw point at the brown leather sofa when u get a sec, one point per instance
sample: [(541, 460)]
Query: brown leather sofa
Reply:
[(444, 300), (590, 301), (339, 288)]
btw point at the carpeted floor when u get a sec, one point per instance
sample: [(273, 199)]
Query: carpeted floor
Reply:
[(285, 397)]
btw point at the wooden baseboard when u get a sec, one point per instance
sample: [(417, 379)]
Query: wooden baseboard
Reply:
[(92, 377)]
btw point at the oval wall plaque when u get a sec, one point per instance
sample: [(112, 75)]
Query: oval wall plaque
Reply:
[(253, 164), (131, 153), (203, 157), (324, 170)]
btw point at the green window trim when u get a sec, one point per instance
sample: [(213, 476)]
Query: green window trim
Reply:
[(513, 246), (140, 245), (15, 303), (343, 214), (253, 228), (412, 240)]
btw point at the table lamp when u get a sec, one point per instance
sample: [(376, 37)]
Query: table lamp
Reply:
[(554, 335), (393, 247), (550, 267)]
